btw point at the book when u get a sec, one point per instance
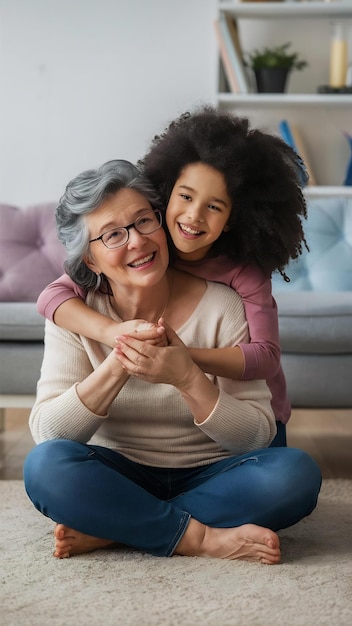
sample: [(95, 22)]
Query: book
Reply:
[(286, 134), (290, 134), (225, 59), (229, 31), (224, 86), (348, 178)]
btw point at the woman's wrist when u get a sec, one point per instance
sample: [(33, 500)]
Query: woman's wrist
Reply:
[(200, 394), (101, 387)]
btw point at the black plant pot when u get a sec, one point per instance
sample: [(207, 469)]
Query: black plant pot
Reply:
[(271, 79)]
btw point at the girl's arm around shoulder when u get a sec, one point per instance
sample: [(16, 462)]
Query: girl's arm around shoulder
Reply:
[(55, 294), (63, 302), (228, 362), (260, 357), (262, 354)]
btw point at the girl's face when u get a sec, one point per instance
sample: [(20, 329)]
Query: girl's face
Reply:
[(139, 263), (198, 210)]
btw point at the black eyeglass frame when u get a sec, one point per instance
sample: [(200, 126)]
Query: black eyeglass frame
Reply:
[(128, 227)]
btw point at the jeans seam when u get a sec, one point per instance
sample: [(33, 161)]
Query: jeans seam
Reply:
[(184, 521), (235, 463)]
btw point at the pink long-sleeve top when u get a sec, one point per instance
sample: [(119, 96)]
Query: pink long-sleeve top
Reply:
[(261, 355)]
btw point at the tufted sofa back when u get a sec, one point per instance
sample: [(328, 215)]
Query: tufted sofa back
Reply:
[(328, 265), (31, 255)]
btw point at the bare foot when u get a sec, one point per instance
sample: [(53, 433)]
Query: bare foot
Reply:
[(69, 542), (248, 542)]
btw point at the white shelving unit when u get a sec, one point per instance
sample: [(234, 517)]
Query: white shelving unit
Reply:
[(308, 8), (339, 100), (321, 118)]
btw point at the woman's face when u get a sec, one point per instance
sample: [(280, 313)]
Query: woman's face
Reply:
[(143, 260), (198, 210)]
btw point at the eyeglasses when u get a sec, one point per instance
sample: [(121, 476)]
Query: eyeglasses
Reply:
[(145, 225)]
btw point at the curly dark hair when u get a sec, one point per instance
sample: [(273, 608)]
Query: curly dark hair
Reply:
[(263, 175)]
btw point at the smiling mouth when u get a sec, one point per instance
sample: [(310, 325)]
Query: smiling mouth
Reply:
[(187, 230), (144, 261)]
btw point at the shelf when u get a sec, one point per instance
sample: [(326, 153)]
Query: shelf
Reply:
[(317, 190), (312, 8), (285, 99)]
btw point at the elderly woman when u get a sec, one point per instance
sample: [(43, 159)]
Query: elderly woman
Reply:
[(143, 448)]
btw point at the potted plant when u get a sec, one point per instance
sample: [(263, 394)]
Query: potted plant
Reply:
[(271, 67)]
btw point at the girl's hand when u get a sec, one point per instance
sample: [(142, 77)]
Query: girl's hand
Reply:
[(144, 331)]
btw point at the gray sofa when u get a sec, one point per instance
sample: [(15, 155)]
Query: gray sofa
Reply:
[(315, 308), (31, 256)]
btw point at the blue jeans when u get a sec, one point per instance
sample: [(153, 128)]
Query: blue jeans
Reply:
[(101, 493)]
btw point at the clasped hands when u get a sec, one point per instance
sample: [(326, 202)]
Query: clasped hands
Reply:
[(154, 353)]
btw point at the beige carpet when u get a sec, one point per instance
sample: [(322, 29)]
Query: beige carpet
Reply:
[(312, 586)]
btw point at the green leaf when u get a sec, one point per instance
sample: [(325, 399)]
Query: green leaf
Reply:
[(275, 57)]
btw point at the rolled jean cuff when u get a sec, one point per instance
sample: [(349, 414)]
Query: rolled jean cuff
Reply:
[(184, 521)]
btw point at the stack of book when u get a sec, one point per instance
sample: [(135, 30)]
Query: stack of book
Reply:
[(231, 55), (291, 135)]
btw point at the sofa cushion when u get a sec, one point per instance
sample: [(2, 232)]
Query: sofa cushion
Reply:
[(31, 255), (20, 321), (315, 307), (315, 322), (318, 381), (327, 266), (19, 367)]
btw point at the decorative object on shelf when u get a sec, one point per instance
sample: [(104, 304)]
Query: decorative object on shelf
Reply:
[(338, 56), (327, 89), (345, 89), (348, 179), (271, 67)]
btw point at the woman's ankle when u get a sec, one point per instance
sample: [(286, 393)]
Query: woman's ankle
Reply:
[(191, 542)]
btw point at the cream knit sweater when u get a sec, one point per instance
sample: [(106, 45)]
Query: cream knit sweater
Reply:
[(151, 424)]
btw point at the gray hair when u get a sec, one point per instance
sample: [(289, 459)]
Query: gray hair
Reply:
[(84, 194)]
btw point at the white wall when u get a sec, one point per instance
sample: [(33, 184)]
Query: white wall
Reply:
[(84, 81)]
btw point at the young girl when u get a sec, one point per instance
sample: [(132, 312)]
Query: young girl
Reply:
[(234, 206)]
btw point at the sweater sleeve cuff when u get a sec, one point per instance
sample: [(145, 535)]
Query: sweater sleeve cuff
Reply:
[(84, 409), (240, 426)]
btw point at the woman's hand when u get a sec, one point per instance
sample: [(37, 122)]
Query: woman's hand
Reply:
[(101, 387), (167, 363), (171, 365)]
